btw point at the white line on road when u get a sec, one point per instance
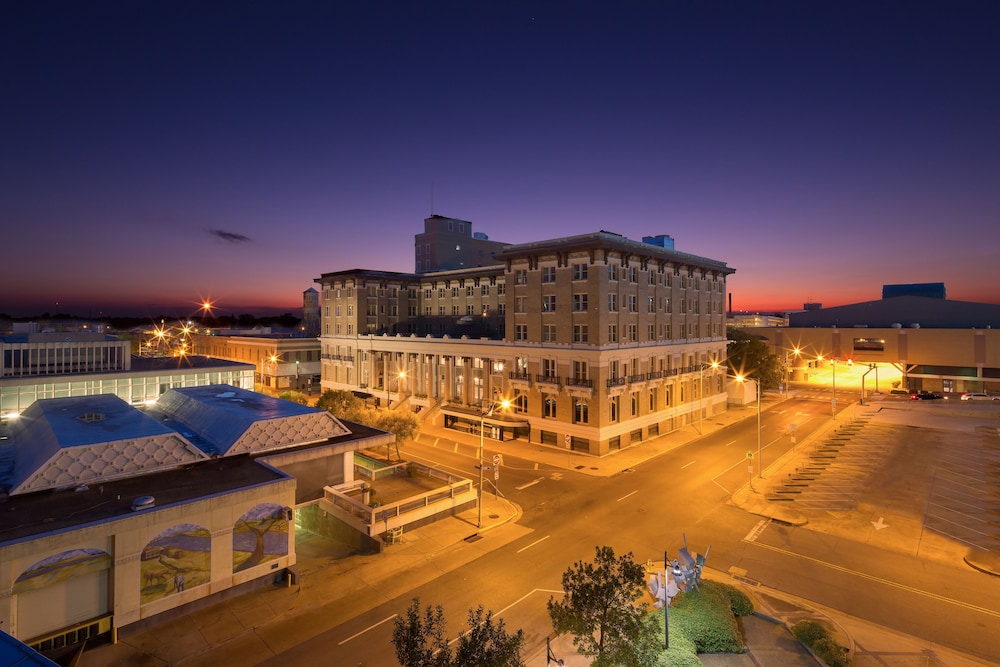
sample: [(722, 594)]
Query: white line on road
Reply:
[(756, 530), (524, 486), (902, 587), (687, 464), (730, 443), (370, 627), (627, 495), (533, 543)]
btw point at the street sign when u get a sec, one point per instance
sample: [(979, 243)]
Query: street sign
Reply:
[(750, 456), (497, 459)]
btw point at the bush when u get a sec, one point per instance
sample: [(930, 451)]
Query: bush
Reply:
[(739, 602), (817, 637), (705, 616)]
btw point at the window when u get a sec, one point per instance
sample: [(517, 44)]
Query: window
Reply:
[(520, 403), (612, 303), (549, 303), (650, 304), (548, 274), (484, 290), (652, 277), (613, 405), (579, 302), (451, 226), (454, 292), (635, 403), (652, 399), (461, 227), (549, 367), (468, 291), (612, 333), (580, 333), (501, 289), (454, 310), (418, 251), (350, 310), (667, 332), (549, 333), (633, 334), (581, 370), (580, 413), (520, 277), (520, 332), (650, 332), (328, 311), (633, 303), (470, 309), (412, 311), (520, 304), (428, 311), (633, 274), (612, 272), (549, 407), (428, 293), (579, 272), (441, 310), (440, 292)]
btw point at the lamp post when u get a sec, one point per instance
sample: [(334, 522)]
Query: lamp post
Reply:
[(833, 404), (483, 414), (760, 456)]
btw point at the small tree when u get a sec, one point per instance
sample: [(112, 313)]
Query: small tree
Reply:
[(294, 397), (487, 644), (420, 640), (599, 609), (749, 356)]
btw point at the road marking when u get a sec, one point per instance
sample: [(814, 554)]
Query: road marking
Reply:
[(880, 580), (524, 486), (370, 627), (730, 443), (533, 543), (627, 495), (756, 531), (687, 464)]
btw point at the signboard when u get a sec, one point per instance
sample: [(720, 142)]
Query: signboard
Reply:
[(497, 459)]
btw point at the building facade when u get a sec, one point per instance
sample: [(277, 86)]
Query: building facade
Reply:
[(449, 243), (597, 340), (280, 362)]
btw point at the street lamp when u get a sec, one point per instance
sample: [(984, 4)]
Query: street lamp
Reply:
[(483, 414), (760, 458), (833, 363)]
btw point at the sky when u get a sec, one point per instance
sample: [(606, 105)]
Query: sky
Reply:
[(157, 154)]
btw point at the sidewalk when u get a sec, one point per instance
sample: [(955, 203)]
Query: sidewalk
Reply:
[(335, 587)]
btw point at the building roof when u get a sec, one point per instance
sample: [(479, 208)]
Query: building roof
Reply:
[(68, 442), (17, 654), (903, 311), (611, 241), (225, 420)]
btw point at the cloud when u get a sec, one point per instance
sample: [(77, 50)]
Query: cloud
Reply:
[(232, 237)]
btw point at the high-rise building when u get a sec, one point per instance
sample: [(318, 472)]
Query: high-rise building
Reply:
[(449, 243), (597, 340)]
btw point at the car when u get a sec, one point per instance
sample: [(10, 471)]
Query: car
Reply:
[(979, 396), (898, 392), (924, 396)]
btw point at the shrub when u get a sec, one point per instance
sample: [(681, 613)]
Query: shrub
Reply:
[(739, 602), (706, 618), (817, 637)]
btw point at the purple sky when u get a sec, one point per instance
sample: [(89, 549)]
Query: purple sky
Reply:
[(157, 153)]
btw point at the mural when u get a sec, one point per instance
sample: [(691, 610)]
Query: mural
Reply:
[(260, 535), (62, 565), (177, 559)]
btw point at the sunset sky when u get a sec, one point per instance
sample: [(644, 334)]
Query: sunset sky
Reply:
[(154, 154)]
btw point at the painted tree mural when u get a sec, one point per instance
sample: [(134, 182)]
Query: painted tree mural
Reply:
[(177, 559), (260, 535)]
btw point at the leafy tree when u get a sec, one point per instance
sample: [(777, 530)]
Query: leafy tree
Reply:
[(599, 609), (294, 397), (420, 639), (487, 644), (749, 356), (345, 405)]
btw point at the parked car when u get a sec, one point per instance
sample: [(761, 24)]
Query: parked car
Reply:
[(924, 396), (979, 396), (898, 392)]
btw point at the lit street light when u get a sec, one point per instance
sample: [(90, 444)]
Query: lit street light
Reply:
[(760, 457), (701, 390), (483, 414)]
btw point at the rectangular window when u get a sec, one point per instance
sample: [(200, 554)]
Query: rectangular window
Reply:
[(454, 292), (580, 412), (549, 333), (650, 332), (520, 332), (612, 333), (501, 289), (612, 303), (633, 303), (633, 334), (870, 344), (454, 310), (468, 291), (520, 277), (441, 310), (613, 409), (470, 309), (520, 304), (612, 272), (579, 303), (581, 370), (484, 290), (579, 272), (549, 406), (549, 303), (428, 292), (633, 274), (652, 277), (549, 367), (428, 311), (579, 333), (548, 274)]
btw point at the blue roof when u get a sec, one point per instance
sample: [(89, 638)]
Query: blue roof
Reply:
[(13, 652)]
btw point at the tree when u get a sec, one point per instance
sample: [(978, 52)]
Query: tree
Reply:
[(345, 405), (599, 609), (749, 356), (420, 640), (294, 397), (487, 644)]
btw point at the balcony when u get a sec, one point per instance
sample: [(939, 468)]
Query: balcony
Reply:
[(549, 380), (580, 382), (615, 382)]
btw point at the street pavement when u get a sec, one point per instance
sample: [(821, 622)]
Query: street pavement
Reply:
[(260, 625)]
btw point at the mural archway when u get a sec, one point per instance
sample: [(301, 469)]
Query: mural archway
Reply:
[(177, 559), (260, 535)]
